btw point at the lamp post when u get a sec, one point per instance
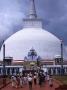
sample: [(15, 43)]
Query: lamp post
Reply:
[(38, 61), (38, 64), (61, 57), (4, 78)]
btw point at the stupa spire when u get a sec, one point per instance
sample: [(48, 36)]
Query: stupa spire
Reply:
[(32, 12), (32, 21)]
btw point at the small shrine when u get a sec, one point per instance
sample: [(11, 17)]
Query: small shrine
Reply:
[(32, 59)]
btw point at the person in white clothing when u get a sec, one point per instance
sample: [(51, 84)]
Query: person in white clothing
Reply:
[(13, 80), (35, 79), (21, 81), (30, 82)]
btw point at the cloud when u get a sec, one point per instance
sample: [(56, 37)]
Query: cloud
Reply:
[(53, 12), (10, 18)]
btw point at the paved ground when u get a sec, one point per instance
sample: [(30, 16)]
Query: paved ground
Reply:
[(37, 87)]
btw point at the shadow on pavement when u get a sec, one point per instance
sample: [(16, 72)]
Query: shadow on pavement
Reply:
[(62, 87)]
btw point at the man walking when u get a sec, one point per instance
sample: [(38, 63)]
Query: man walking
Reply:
[(30, 82)]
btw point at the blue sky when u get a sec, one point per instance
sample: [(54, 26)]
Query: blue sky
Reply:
[(53, 13)]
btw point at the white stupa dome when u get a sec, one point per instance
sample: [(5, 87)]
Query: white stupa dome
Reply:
[(32, 35), (45, 43)]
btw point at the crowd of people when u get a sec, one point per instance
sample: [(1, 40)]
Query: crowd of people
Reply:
[(19, 81)]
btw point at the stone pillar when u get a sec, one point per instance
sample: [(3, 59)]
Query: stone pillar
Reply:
[(10, 71), (6, 71), (51, 71), (66, 70), (1, 71), (15, 71), (56, 71)]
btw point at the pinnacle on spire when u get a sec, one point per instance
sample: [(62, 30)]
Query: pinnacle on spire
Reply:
[(32, 13)]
